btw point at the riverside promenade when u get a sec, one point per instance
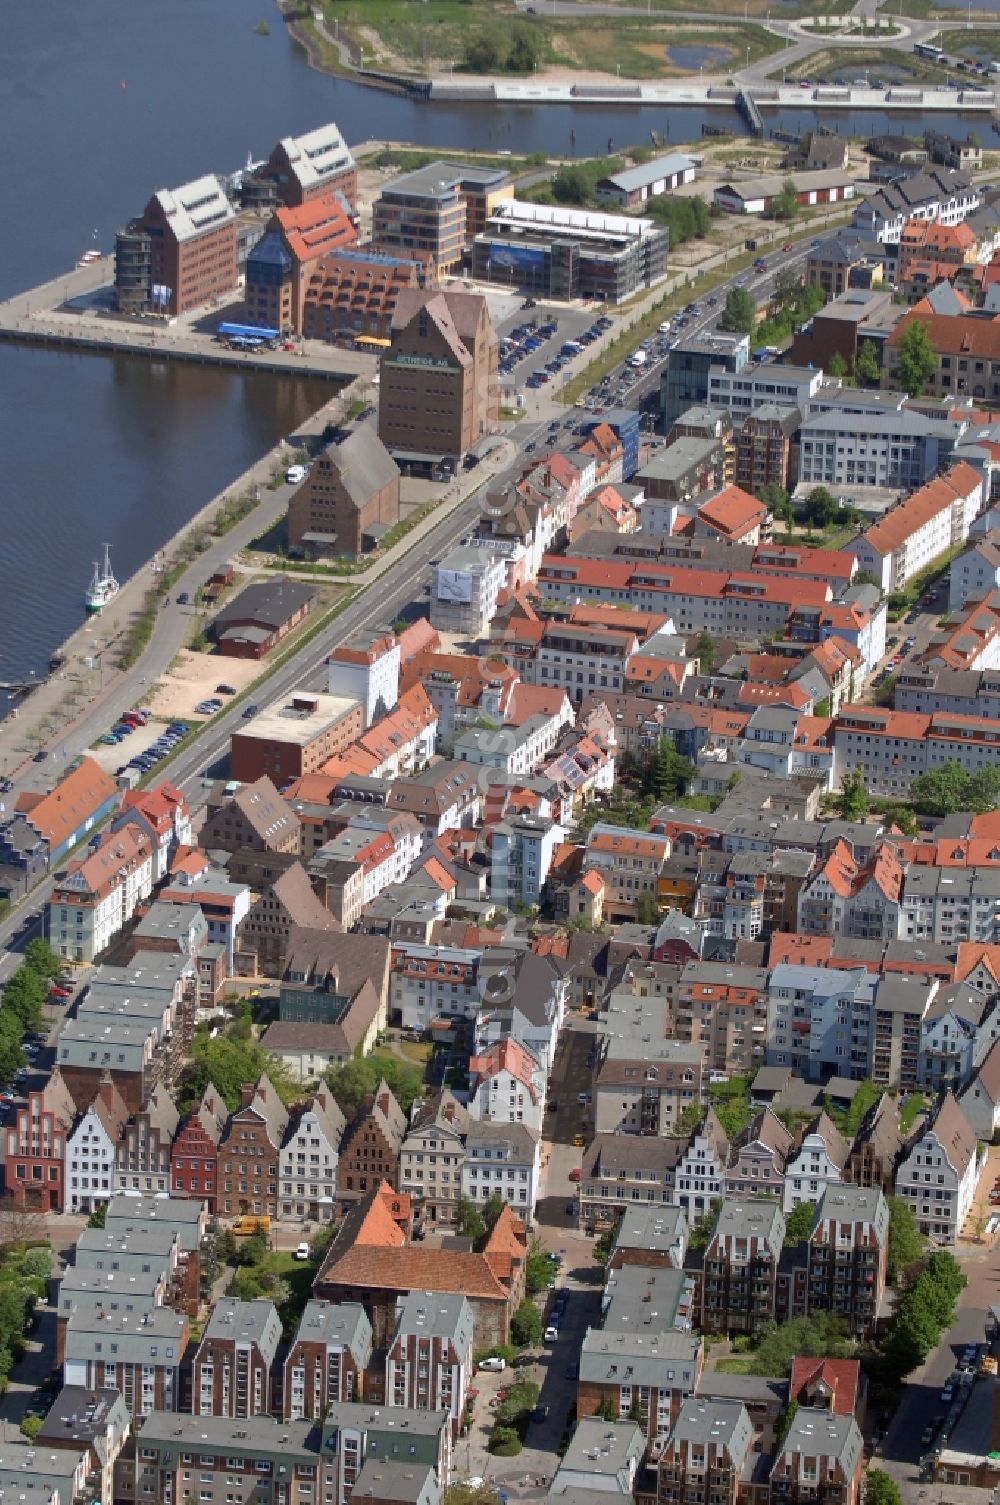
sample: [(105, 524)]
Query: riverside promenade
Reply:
[(75, 311)]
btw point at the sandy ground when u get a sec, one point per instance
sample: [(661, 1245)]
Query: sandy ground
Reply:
[(193, 677)]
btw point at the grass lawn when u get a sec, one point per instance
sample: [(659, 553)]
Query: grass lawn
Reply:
[(417, 1051), (299, 1275), (422, 36), (734, 1366), (914, 1104)]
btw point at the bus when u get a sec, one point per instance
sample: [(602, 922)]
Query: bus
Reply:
[(369, 342), (925, 49)]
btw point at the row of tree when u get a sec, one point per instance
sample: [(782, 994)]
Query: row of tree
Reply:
[(24, 997), (511, 48), (925, 1309)]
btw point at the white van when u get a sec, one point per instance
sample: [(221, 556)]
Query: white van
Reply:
[(638, 358), (494, 1364), (552, 1333), (665, 327), (294, 474)]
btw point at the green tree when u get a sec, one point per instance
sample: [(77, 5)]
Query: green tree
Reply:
[(252, 1250), (12, 1057), (836, 366), (881, 1489), (701, 1228), (740, 312), (906, 1242), (798, 1223), (504, 1442), (705, 649), (525, 50), (608, 1409), (821, 508), (98, 1216), (984, 789), (917, 360), (820, 1334), (867, 367), (941, 791), (603, 1245), (786, 205), (358, 1078), (526, 1325), (486, 50), (492, 1208), (571, 185), (37, 1262), (852, 800), (670, 772), (31, 1425), (647, 910), (228, 1063), (468, 1220), (41, 958), (777, 501), (24, 995), (537, 1269)]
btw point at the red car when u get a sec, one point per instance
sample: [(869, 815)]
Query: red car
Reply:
[(575, 1173), (55, 992)]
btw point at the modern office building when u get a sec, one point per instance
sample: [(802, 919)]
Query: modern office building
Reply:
[(556, 252), (439, 391), (686, 377), (436, 210)]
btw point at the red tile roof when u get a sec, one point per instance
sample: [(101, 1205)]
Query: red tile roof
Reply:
[(842, 1378)]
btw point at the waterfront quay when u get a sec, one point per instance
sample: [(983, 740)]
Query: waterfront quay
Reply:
[(75, 311)]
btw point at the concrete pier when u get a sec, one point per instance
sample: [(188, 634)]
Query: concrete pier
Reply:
[(74, 311)]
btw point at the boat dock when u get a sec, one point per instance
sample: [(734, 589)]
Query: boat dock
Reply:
[(74, 312)]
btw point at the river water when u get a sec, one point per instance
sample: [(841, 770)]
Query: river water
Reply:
[(99, 105)]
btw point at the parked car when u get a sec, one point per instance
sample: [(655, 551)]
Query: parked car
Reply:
[(947, 1394), (302, 1250), (225, 689), (183, 599), (494, 1364), (552, 1333), (576, 1173)]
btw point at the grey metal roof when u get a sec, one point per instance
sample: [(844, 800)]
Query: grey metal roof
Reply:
[(363, 463), (751, 1217), (726, 1423), (127, 1339), (245, 1322), (603, 1447), (254, 1436), (661, 1359), (436, 1314), (345, 1325), (386, 1479), (649, 172), (855, 1204), (181, 1215), (439, 180), (639, 1300), (652, 1228), (820, 1433)]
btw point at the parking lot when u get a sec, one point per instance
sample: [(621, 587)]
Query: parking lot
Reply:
[(551, 327)]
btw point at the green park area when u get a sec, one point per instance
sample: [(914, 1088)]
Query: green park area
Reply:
[(421, 37)]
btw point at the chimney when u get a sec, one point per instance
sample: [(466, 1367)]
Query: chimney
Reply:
[(106, 1091), (449, 1112), (247, 1094), (383, 1102)]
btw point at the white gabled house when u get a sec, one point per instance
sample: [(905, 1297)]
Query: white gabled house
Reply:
[(938, 1174)]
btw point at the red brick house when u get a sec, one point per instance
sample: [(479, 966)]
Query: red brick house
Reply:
[(36, 1147), (248, 1153), (369, 1154), (195, 1152)]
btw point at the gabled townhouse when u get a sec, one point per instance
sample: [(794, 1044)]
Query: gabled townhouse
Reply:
[(371, 1147), (760, 1158), (524, 999), (939, 1171), (35, 1160), (91, 1147), (846, 1255), (255, 817), (247, 1173), (327, 1360), (139, 1356), (816, 1163), (223, 901), (936, 194), (443, 797), (428, 1365), (820, 1460), (851, 898), (504, 1158), (877, 1147), (507, 1085), (431, 1158), (98, 894), (980, 1101), (699, 1180), (143, 1153), (705, 1452), (739, 1271), (644, 1084), (307, 1160), (194, 1154), (975, 574), (950, 1032), (287, 904), (164, 814), (231, 1370), (43, 827)]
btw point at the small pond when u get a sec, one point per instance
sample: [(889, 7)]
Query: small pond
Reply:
[(696, 55)]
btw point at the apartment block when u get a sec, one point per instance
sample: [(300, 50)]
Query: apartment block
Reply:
[(231, 1373), (428, 1364), (327, 1359), (846, 1254), (739, 1273)]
